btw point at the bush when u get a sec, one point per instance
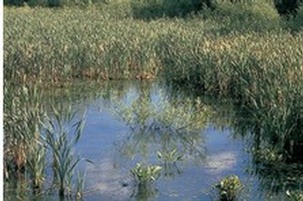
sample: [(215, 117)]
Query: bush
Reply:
[(247, 16), (296, 22), (286, 7), (153, 9)]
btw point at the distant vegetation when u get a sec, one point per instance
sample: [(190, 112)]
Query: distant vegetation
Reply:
[(107, 43), (162, 7)]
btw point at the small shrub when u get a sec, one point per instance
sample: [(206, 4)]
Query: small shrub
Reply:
[(246, 17)]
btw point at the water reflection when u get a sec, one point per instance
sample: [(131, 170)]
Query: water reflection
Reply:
[(275, 160), (188, 134), (159, 124)]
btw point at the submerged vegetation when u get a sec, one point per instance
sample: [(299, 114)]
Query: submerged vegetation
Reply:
[(246, 52)]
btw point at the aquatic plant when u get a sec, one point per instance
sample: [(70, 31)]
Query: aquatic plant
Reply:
[(294, 195), (80, 184), (145, 175), (62, 133), (36, 164), (22, 116), (229, 188)]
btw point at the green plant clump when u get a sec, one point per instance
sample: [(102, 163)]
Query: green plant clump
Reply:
[(145, 175), (229, 188)]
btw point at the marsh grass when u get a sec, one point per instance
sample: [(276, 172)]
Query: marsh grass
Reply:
[(22, 116), (240, 51), (62, 133), (26, 148), (251, 70), (108, 43)]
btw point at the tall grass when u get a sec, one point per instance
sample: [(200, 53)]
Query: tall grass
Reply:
[(238, 50), (62, 133), (107, 43), (26, 148), (22, 116), (261, 72), (45, 49)]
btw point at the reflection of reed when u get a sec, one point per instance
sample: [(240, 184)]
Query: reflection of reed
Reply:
[(178, 123), (144, 192), (271, 153)]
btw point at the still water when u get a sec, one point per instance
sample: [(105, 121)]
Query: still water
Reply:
[(132, 122)]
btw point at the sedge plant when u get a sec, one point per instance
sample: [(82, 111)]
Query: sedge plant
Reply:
[(62, 133)]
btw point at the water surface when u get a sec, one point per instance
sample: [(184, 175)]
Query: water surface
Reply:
[(131, 122)]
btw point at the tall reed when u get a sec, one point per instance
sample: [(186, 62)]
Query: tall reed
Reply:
[(22, 116), (62, 133)]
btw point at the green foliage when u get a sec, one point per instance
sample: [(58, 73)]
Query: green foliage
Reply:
[(36, 164), (153, 9), (267, 157), (229, 188), (59, 138), (22, 117), (294, 195), (248, 68), (50, 50), (256, 16), (53, 3), (296, 22), (286, 7), (80, 184), (145, 175)]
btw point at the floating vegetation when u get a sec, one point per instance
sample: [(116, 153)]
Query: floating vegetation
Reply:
[(146, 175), (229, 188)]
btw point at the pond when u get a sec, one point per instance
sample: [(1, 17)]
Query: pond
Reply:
[(196, 140)]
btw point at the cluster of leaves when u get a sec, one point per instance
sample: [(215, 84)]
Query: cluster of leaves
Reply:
[(146, 175), (229, 188)]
